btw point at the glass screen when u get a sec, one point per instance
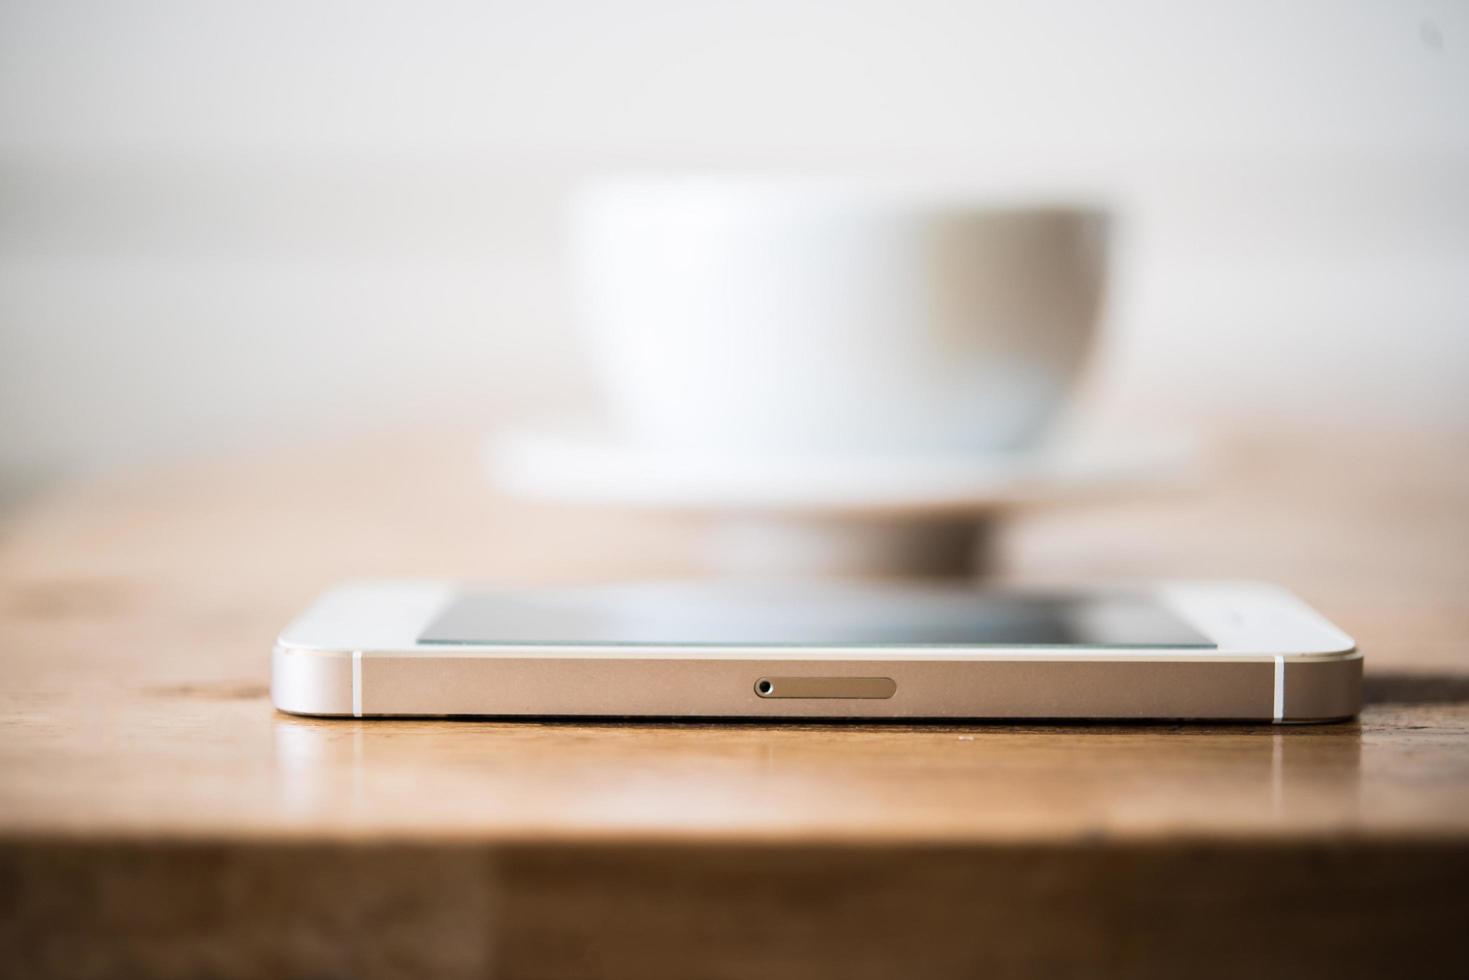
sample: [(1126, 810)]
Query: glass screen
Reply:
[(694, 615)]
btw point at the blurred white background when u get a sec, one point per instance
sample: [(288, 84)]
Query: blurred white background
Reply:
[(227, 224)]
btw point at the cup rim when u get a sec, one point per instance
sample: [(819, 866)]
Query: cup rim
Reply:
[(811, 193)]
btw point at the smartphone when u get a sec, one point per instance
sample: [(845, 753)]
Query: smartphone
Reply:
[(1225, 651)]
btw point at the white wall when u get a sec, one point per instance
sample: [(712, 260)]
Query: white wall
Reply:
[(228, 223)]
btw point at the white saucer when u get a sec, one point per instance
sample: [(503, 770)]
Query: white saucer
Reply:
[(581, 465)]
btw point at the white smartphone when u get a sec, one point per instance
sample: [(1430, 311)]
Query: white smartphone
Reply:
[(1199, 651)]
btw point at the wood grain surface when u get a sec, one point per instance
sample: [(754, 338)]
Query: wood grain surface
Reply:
[(157, 817)]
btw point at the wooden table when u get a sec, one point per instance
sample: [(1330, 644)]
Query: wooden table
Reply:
[(157, 817)]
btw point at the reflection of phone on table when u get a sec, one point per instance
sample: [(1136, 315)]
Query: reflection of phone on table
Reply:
[(1217, 651)]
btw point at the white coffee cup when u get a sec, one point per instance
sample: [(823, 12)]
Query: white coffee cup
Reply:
[(761, 316)]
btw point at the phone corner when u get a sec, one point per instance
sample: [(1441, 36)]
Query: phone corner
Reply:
[(312, 682), (1327, 689)]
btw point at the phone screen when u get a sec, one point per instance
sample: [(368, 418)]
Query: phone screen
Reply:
[(809, 615)]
